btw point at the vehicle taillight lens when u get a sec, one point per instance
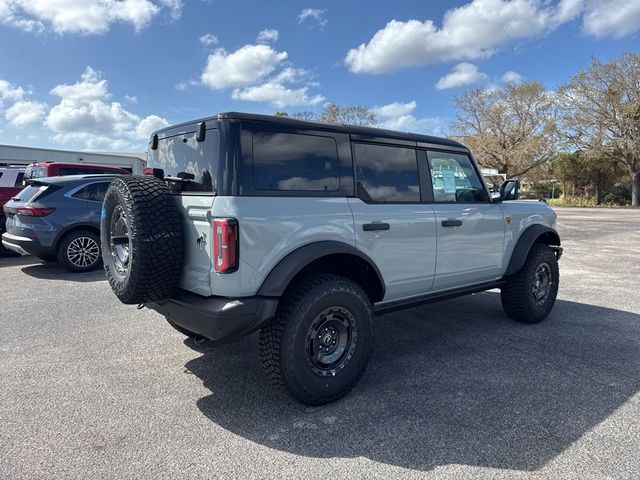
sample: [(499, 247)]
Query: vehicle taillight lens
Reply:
[(34, 211), (225, 245)]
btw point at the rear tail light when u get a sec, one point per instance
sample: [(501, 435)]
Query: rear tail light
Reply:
[(34, 211), (225, 245)]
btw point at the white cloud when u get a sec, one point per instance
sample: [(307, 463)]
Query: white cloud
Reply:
[(90, 87), (25, 112), (268, 35), (131, 99), (399, 116), (277, 95), (274, 92), (208, 39), (512, 77), (86, 115), (148, 125), (87, 16), (9, 92), (315, 15), (472, 31), (612, 18), (174, 7), (395, 109), (245, 66), (186, 85), (462, 74)]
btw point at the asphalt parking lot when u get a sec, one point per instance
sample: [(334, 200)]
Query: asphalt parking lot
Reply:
[(91, 388)]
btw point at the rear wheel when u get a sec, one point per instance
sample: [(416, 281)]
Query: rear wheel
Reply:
[(79, 251), (318, 345), (530, 294)]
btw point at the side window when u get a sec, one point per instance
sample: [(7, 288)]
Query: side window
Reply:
[(93, 192), (387, 174), (454, 179), (19, 179), (289, 161)]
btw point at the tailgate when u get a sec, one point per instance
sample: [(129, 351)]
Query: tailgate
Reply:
[(196, 228)]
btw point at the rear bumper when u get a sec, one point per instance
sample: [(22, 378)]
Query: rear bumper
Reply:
[(25, 245), (217, 318)]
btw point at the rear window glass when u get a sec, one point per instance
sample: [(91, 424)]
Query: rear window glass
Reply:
[(287, 161), (183, 154), (31, 192), (387, 174)]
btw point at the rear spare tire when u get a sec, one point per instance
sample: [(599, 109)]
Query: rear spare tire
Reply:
[(141, 238)]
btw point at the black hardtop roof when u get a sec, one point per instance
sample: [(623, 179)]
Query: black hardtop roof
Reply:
[(363, 133)]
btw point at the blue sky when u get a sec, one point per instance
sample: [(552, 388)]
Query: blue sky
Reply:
[(101, 74)]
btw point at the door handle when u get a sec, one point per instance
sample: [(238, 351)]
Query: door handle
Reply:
[(451, 223), (369, 227)]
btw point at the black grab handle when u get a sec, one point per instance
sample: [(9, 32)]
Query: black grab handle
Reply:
[(369, 227), (452, 223)]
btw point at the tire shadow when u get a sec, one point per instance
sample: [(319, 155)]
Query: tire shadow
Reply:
[(454, 382), (54, 271)]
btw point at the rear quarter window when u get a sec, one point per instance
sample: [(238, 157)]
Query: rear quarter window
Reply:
[(295, 162), (94, 192)]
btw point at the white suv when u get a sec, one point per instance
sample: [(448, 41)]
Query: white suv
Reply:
[(306, 230)]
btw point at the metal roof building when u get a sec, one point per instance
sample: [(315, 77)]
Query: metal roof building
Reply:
[(15, 155)]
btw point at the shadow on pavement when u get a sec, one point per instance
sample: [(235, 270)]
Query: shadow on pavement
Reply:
[(448, 383), (54, 271), (18, 261)]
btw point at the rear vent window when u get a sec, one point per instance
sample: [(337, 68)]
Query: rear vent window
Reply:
[(288, 161)]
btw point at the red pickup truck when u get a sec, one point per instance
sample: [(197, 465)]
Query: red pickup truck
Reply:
[(10, 185), (58, 169)]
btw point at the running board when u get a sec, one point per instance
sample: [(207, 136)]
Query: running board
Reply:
[(392, 306)]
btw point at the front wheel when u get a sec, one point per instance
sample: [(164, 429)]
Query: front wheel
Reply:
[(530, 294), (318, 345)]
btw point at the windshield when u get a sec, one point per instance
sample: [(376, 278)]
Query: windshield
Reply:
[(183, 156)]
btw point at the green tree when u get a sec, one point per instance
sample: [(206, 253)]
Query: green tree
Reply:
[(600, 113)]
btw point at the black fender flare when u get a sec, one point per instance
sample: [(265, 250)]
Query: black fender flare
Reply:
[(526, 241), (286, 269)]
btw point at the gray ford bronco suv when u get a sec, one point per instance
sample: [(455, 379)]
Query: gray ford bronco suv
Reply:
[(306, 230)]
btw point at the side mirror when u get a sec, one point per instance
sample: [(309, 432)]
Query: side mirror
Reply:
[(509, 189)]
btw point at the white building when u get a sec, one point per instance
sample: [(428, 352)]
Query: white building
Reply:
[(14, 155)]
